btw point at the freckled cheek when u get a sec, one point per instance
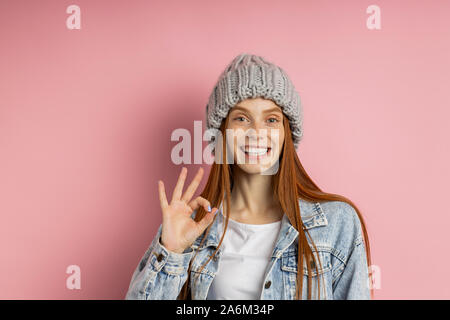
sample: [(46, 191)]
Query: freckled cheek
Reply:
[(239, 140), (279, 138), (280, 141), (233, 142)]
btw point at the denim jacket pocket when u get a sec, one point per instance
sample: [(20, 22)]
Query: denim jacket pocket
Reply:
[(201, 278), (289, 270)]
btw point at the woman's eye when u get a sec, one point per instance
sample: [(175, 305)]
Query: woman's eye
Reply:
[(238, 118), (274, 120)]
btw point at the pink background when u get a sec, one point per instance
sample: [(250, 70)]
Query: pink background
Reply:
[(86, 117)]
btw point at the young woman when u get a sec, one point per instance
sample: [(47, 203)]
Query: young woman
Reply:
[(261, 228)]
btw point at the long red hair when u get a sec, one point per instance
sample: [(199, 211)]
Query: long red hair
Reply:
[(290, 183)]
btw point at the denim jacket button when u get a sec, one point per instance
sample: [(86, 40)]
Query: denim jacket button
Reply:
[(159, 257), (267, 285)]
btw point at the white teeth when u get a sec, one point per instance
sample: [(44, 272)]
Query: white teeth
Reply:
[(256, 151)]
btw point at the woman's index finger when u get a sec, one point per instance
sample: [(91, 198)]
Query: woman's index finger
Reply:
[(193, 186)]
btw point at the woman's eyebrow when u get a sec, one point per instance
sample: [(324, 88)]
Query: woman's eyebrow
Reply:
[(239, 108), (274, 109)]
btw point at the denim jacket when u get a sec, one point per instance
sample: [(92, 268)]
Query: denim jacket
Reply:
[(334, 227)]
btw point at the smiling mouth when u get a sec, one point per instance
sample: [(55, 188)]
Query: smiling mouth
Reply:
[(256, 152)]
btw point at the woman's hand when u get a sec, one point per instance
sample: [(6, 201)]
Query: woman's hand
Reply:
[(179, 230)]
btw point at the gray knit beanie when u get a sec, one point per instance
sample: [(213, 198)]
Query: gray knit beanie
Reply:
[(251, 76)]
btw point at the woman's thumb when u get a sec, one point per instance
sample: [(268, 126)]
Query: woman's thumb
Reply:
[(207, 219)]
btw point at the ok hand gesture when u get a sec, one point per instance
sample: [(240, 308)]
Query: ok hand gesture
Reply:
[(179, 230)]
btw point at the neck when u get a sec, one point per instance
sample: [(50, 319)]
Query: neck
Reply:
[(252, 198)]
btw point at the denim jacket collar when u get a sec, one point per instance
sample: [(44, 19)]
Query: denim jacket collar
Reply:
[(312, 216)]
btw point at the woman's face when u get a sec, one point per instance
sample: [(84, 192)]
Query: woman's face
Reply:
[(255, 135)]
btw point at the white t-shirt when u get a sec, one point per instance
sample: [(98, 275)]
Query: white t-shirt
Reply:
[(246, 252)]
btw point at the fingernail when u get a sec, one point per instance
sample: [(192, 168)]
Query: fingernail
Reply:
[(209, 208)]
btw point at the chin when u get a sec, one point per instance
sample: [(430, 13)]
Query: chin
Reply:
[(258, 169), (251, 168)]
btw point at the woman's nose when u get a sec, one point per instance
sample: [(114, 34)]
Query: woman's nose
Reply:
[(258, 132), (258, 125)]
